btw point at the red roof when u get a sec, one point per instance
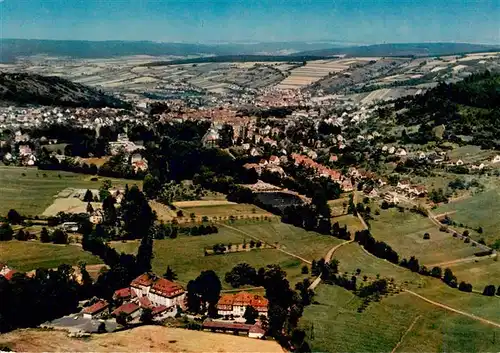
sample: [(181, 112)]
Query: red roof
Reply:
[(144, 302), (9, 274), (244, 299), (145, 280), (127, 308), (166, 288), (226, 325), (96, 308), (122, 293), (159, 309)]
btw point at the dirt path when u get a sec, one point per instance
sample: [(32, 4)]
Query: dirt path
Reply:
[(406, 332), (472, 316), (464, 260), (263, 241), (328, 258)]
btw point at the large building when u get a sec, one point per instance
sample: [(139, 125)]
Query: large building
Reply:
[(159, 291), (236, 304)]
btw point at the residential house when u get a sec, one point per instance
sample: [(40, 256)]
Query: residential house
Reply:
[(96, 310), (370, 192), (122, 294), (236, 304), (131, 311)]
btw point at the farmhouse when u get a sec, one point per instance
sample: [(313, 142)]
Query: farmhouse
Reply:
[(236, 304)]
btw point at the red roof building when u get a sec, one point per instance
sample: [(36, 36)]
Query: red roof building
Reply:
[(127, 309), (236, 304), (95, 309), (122, 294)]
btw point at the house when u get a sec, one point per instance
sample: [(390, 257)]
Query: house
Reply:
[(478, 166), (122, 294), (6, 272), (401, 152), (159, 291), (70, 227), (391, 198), (436, 159), (131, 311), (403, 184), (25, 150), (236, 304), (370, 192), (421, 155), (391, 150), (97, 217), (96, 310)]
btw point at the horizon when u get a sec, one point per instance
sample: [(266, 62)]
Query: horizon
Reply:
[(253, 21)]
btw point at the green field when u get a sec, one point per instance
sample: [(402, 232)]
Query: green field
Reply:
[(404, 233), (32, 193), (185, 255), (224, 211), (30, 255), (310, 245), (334, 325), (352, 256), (352, 222), (479, 274), (479, 210)]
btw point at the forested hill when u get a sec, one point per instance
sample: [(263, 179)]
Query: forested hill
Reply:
[(468, 108), (23, 88)]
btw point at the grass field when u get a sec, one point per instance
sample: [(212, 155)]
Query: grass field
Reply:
[(32, 193), (352, 222), (27, 256), (185, 255), (334, 325), (351, 257), (479, 274), (404, 232), (220, 210), (309, 245), (479, 210)]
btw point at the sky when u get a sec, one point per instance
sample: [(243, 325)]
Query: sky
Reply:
[(205, 21)]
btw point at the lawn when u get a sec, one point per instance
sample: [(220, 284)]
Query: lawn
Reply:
[(479, 210), (404, 232), (30, 191), (310, 245), (27, 256), (185, 255), (334, 325), (352, 257)]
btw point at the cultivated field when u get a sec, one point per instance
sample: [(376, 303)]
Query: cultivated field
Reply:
[(30, 191), (404, 232), (185, 255), (220, 210), (334, 325), (30, 255), (479, 274), (145, 338)]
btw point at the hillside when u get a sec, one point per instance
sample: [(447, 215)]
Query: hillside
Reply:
[(23, 88), (145, 338), (404, 49)]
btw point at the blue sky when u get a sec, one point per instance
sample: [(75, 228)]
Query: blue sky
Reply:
[(356, 21)]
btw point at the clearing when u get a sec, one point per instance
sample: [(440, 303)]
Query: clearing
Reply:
[(30, 255), (30, 191), (335, 325), (144, 338)]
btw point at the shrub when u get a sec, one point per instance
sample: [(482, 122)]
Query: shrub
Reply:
[(427, 236)]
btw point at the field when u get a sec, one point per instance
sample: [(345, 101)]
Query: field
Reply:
[(479, 274), (30, 191), (185, 255), (145, 338), (220, 210), (404, 233), (352, 257), (334, 325), (476, 211), (27, 256), (352, 222)]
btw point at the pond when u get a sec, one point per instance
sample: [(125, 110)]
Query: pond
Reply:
[(279, 200)]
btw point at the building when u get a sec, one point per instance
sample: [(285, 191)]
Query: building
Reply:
[(131, 311), (96, 310), (70, 227), (159, 291), (253, 331), (236, 304)]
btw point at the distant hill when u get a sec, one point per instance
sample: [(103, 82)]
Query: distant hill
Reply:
[(11, 49), (23, 88), (404, 49), (238, 59)]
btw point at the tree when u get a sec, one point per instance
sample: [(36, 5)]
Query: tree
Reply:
[(145, 253), (59, 237), (449, 278), (151, 186), (436, 272), (146, 316), (193, 300), (110, 216), (240, 275), (21, 235), (90, 209), (14, 217), (427, 236), (44, 236), (465, 287), (88, 197), (170, 274), (121, 319), (86, 281), (136, 213), (489, 290), (208, 287), (305, 270), (250, 315), (6, 232), (101, 328)]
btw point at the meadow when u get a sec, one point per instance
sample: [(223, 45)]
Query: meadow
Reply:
[(220, 210), (479, 274), (404, 232), (185, 255), (333, 324), (30, 191), (30, 255)]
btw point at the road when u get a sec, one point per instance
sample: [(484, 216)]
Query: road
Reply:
[(449, 308), (328, 258), (464, 260)]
